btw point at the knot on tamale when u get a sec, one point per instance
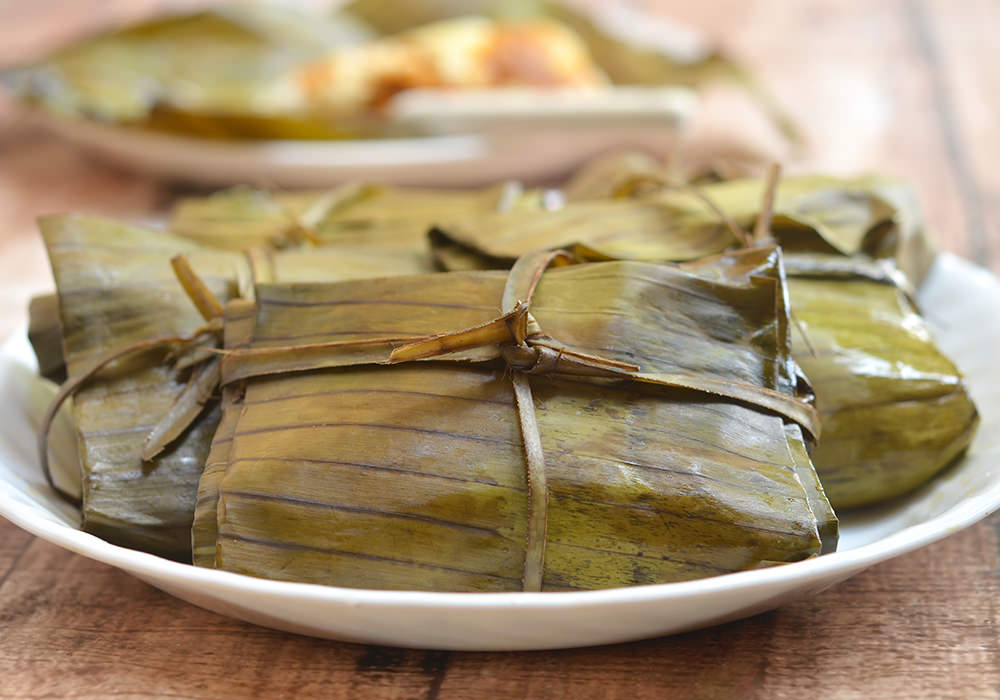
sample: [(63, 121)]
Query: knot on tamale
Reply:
[(198, 352), (536, 359), (522, 345)]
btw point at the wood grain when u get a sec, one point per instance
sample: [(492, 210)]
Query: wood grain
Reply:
[(910, 87), (922, 626)]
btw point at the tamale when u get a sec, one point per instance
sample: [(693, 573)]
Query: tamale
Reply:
[(116, 287), (895, 410), (844, 235), (360, 447), (378, 230), (873, 215)]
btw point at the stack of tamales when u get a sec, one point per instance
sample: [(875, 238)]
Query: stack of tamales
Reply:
[(288, 383), (895, 410)]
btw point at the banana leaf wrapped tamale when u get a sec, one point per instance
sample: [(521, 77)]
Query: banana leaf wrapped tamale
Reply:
[(895, 410), (116, 288), (205, 73), (872, 215), (843, 236), (143, 440), (619, 423)]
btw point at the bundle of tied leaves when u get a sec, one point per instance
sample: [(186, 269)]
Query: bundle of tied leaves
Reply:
[(143, 433)]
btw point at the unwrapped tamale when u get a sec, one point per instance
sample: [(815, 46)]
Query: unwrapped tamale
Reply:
[(630, 45), (619, 423), (115, 288)]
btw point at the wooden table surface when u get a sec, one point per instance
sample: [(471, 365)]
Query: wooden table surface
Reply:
[(908, 87)]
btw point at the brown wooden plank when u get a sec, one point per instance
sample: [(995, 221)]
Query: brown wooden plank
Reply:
[(76, 628), (921, 626), (13, 544)]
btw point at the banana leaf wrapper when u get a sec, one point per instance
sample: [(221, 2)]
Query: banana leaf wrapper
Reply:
[(334, 466), (377, 229), (353, 214), (845, 236), (871, 215), (45, 336), (895, 409), (115, 288)]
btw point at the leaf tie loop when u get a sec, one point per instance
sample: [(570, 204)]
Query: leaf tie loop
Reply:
[(197, 350)]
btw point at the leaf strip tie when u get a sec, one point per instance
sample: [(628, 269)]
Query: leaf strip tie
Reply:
[(74, 383), (192, 399)]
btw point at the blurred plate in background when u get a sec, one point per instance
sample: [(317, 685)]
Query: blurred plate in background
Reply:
[(472, 138)]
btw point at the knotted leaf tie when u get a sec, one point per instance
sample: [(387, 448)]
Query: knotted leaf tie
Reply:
[(198, 351)]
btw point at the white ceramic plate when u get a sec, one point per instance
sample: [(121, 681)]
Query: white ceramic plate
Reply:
[(477, 137), (960, 300)]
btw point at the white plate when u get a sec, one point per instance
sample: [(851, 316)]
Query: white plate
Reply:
[(481, 137), (961, 301)]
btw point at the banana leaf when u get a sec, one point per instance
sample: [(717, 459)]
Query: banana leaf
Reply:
[(353, 214), (336, 464), (259, 72), (116, 287), (377, 229), (843, 237), (872, 215), (895, 410), (45, 336)]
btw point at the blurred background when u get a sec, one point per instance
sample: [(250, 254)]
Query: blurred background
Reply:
[(907, 88)]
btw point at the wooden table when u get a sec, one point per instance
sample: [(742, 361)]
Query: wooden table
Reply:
[(909, 87)]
